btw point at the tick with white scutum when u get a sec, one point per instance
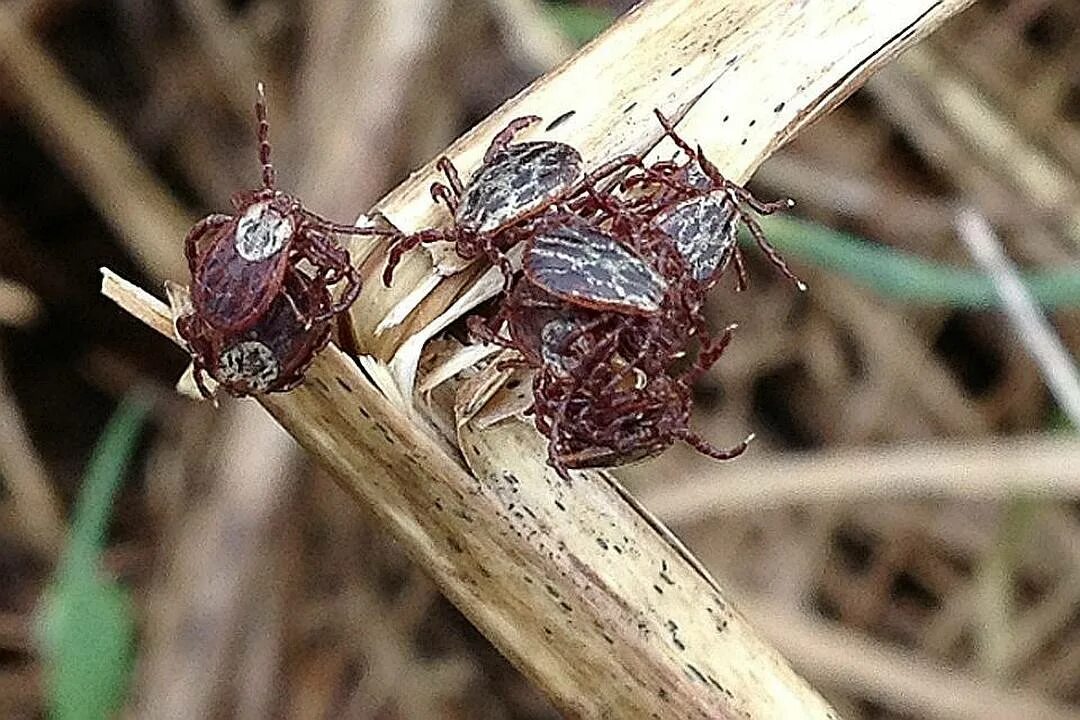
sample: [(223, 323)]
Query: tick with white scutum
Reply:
[(271, 355), (239, 263)]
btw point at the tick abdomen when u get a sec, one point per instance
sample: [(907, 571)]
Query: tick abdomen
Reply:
[(518, 182), (703, 230)]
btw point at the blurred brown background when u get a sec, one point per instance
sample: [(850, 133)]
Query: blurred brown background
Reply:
[(259, 591)]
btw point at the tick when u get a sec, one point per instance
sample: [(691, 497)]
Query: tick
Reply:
[(492, 211), (584, 265), (239, 263), (605, 388), (271, 355), (699, 210)]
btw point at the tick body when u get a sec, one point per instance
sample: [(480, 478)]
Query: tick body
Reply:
[(269, 356), (493, 211), (584, 265), (239, 263), (699, 210), (517, 181), (702, 229)]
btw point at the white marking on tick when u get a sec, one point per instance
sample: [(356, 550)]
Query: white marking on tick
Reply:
[(248, 364), (261, 232)]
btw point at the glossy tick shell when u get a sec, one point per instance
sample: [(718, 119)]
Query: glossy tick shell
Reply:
[(586, 266), (700, 210), (703, 230), (271, 355), (492, 211), (239, 263), (517, 182)]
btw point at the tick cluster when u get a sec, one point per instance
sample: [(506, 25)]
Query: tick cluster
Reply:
[(608, 311), (261, 286), (609, 308)]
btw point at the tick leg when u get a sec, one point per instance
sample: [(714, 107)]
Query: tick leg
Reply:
[(306, 320), (705, 447), (764, 208), (263, 136), (191, 242), (643, 352), (709, 354), (326, 226), (498, 257), (592, 181), (404, 244), (770, 252), (506, 135), (334, 261), (599, 355), (191, 331), (743, 277), (445, 195), (669, 130), (353, 284), (325, 254), (481, 331), (613, 166), (446, 167), (198, 372)]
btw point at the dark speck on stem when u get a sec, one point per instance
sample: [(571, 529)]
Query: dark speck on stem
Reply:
[(560, 120)]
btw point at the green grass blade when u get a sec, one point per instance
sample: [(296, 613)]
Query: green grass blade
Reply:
[(580, 24), (905, 277), (87, 626)]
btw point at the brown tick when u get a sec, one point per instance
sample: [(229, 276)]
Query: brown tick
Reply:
[(515, 183), (698, 210), (272, 354), (239, 263)]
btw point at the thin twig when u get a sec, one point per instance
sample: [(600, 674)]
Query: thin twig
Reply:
[(220, 552), (1040, 340), (38, 509), (143, 212), (899, 680), (19, 306), (231, 52), (1040, 466)]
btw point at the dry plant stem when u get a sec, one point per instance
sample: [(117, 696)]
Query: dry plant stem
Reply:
[(1044, 182), (19, 306), (904, 96), (1040, 340), (606, 632), (903, 370), (575, 584), (22, 475), (530, 34), (369, 54), (912, 687), (143, 212), (219, 555), (1046, 468), (20, 690), (229, 48)]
